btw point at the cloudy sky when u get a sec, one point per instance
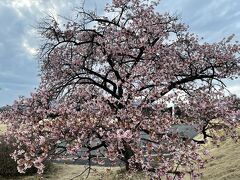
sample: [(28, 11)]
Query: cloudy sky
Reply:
[(211, 19)]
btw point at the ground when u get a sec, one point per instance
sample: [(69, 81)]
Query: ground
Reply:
[(2, 128), (224, 166), (226, 162)]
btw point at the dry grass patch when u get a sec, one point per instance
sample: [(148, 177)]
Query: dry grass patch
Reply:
[(69, 171), (3, 128), (226, 162), (224, 166)]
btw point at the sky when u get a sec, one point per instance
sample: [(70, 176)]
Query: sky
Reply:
[(19, 41)]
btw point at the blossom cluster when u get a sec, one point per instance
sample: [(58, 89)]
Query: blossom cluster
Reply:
[(106, 85)]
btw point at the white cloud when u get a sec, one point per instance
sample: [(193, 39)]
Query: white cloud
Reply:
[(23, 3), (235, 90), (211, 19), (30, 50)]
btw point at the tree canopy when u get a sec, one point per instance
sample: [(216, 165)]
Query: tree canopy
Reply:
[(106, 83)]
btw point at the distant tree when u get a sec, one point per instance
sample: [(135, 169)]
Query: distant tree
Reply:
[(106, 81), (4, 108), (237, 104)]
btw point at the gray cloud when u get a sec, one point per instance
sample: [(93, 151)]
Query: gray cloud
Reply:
[(211, 19), (18, 66), (19, 41)]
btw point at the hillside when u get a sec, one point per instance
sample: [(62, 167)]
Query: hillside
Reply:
[(226, 162)]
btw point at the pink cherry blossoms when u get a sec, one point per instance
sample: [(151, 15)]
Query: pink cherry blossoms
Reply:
[(106, 85)]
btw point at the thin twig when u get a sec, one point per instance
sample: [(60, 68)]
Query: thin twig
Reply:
[(81, 173)]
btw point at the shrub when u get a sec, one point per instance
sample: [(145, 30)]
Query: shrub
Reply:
[(8, 167)]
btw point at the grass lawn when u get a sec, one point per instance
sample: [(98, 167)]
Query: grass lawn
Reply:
[(224, 166)]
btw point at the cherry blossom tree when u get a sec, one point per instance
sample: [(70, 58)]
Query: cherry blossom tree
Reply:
[(106, 83)]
